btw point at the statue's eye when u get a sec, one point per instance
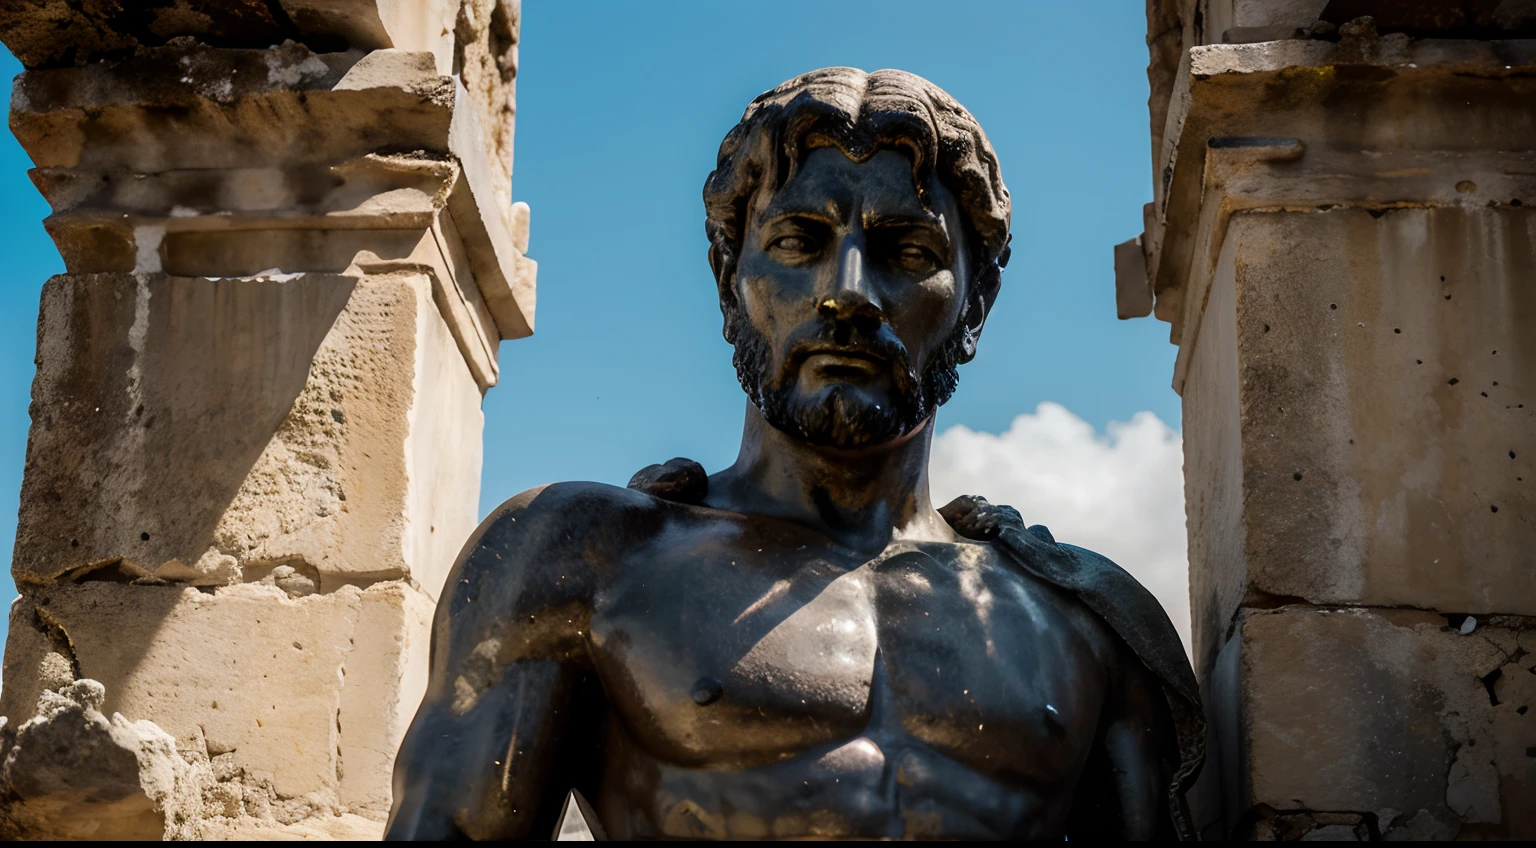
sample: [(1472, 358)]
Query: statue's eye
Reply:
[(793, 244), (917, 257)]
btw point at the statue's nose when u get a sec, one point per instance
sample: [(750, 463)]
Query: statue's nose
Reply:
[(847, 307), (851, 299), (851, 274)]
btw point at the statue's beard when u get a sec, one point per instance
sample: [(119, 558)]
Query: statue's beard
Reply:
[(840, 416)]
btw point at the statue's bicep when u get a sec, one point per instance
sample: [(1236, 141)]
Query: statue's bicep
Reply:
[(503, 672), (476, 764)]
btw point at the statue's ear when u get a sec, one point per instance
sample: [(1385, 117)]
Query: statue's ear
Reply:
[(716, 262), (978, 303), (983, 294), (974, 319), (991, 279), (722, 272)]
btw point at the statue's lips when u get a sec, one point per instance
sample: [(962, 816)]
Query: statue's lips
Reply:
[(834, 360)]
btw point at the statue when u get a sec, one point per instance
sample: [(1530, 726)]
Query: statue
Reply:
[(800, 645)]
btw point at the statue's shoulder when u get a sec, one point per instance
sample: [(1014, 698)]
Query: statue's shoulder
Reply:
[(551, 547), (572, 505), (577, 530), (564, 524)]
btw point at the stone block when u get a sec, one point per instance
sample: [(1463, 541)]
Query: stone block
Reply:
[(485, 59), (229, 426), (299, 703), (386, 676), (54, 32), (194, 106), (416, 25), (1390, 95), (374, 192), (1282, 18), (443, 454), (191, 106), (1213, 469), (1501, 18), (1376, 367), (245, 670), (1393, 716), (1133, 294), (61, 32), (346, 827), (216, 162), (32, 648)]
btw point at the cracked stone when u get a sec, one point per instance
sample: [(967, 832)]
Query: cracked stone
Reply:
[(1396, 710), (72, 773)]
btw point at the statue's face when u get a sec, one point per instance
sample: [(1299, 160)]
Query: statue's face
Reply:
[(851, 290)]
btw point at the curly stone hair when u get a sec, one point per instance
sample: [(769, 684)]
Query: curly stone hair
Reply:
[(859, 113)]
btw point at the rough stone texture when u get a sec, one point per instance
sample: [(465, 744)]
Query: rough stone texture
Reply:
[(485, 58), (69, 772), (1254, 20), (1347, 102), (289, 436), (1341, 239), (1394, 717), (53, 32), (443, 455), (291, 254), (415, 25), (192, 106), (1176, 26), (385, 676), (299, 702), (244, 158), (1366, 428), (343, 827), (1395, 379), (1213, 475)]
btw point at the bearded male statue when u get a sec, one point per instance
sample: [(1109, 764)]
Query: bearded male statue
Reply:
[(800, 645)]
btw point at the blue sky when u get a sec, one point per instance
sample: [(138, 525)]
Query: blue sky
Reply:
[(621, 108)]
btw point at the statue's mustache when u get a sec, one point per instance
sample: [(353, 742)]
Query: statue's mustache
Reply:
[(833, 336)]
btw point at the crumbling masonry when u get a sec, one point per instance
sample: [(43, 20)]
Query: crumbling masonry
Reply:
[(291, 256), (1343, 241)]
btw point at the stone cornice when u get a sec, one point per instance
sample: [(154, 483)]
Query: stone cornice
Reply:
[(1351, 98), (213, 148)]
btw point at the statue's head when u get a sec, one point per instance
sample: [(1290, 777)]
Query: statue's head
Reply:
[(858, 227)]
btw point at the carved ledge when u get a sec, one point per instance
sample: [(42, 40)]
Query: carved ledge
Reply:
[(219, 162), (45, 33), (1445, 101)]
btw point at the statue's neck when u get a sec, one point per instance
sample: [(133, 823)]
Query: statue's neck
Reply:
[(861, 499)]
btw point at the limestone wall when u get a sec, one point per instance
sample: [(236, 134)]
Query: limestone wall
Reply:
[(1342, 240), (291, 258)]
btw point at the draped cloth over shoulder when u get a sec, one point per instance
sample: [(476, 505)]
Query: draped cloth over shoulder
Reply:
[(1124, 604)]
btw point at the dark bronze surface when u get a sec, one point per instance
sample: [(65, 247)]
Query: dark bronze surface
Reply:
[(801, 645)]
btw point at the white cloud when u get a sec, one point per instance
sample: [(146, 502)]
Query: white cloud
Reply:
[(1120, 494)]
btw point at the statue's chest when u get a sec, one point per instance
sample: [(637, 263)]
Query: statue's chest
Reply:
[(734, 656)]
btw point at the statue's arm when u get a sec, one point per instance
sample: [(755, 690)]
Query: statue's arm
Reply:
[(1140, 745), (1122, 793), (507, 671)]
